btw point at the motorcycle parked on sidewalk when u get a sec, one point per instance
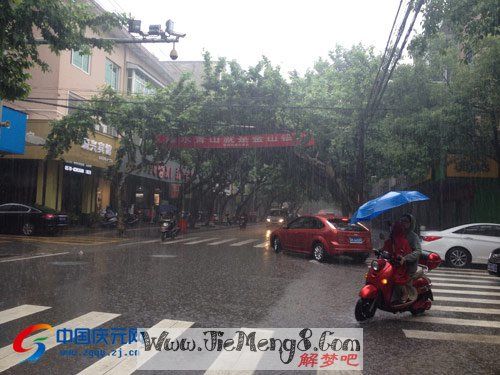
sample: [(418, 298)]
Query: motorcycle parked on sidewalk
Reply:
[(109, 218), (378, 291), (243, 222), (169, 229)]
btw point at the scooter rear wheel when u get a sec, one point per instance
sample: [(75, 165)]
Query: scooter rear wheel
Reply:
[(364, 309)]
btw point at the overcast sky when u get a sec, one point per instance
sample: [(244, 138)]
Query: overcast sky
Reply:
[(292, 34)]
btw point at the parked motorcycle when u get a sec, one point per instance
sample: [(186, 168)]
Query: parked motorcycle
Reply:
[(243, 222), (131, 220), (109, 218), (377, 293), (169, 229)]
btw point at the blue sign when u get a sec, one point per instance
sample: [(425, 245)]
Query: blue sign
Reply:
[(12, 131)]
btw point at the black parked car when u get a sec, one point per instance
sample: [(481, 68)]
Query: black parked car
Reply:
[(28, 220), (494, 263)]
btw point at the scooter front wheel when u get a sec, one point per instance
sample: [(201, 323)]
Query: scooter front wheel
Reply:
[(365, 309), (163, 236)]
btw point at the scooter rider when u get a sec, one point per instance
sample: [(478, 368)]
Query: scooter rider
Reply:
[(411, 260)]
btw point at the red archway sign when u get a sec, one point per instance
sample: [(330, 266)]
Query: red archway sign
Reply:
[(238, 141)]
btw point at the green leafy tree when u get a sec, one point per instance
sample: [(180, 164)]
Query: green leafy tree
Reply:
[(138, 122), (63, 24)]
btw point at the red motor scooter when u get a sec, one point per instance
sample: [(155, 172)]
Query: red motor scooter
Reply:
[(377, 292)]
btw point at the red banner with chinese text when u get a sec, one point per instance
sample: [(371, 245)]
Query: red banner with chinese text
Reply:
[(239, 141)]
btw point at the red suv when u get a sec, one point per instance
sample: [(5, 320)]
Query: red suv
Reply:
[(322, 236)]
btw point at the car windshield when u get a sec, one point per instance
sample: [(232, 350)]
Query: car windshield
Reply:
[(342, 224), (276, 213)]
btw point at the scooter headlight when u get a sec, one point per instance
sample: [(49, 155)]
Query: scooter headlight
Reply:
[(268, 220), (280, 220), (165, 224), (375, 265)]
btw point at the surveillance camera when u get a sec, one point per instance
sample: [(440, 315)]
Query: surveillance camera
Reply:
[(173, 54)]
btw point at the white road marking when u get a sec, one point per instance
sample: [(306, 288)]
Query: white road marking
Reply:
[(177, 241), (243, 242), (469, 286), (137, 243), (10, 358), (468, 292), (263, 244), (127, 365), (464, 309), (19, 312), (470, 300), (464, 279), (221, 242), (230, 360), (200, 241), (461, 271), (449, 336), (453, 321), (33, 257)]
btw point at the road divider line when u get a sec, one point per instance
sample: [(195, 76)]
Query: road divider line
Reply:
[(138, 243), (469, 300), (263, 244), (230, 360), (33, 257), (127, 365), (462, 280), (460, 271), (10, 358), (463, 309), (19, 312), (243, 242), (464, 277), (177, 241), (451, 336), (464, 291), (453, 321), (221, 242), (468, 286), (200, 241)]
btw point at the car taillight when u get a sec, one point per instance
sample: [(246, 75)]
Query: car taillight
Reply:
[(430, 238), (49, 216)]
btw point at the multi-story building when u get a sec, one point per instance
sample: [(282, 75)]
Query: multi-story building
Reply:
[(76, 182)]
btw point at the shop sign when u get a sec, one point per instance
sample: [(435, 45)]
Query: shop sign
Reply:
[(170, 171), (78, 168), (174, 191), (97, 147)]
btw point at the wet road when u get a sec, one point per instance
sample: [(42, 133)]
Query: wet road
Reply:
[(230, 278)]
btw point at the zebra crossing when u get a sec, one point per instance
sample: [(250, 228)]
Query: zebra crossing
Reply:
[(215, 241), (456, 292)]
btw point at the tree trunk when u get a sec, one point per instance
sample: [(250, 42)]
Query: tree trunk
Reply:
[(121, 189)]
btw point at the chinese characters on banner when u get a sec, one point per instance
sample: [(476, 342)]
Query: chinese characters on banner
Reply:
[(240, 141)]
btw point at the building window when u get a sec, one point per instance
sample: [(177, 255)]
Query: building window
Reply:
[(138, 83), (73, 101), (112, 74), (80, 61)]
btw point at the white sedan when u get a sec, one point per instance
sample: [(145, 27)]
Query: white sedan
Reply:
[(465, 244)]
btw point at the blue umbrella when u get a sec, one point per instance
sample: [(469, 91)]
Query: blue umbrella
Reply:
[(378, 206)]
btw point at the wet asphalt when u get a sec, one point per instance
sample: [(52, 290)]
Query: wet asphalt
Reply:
[(145, 281)]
